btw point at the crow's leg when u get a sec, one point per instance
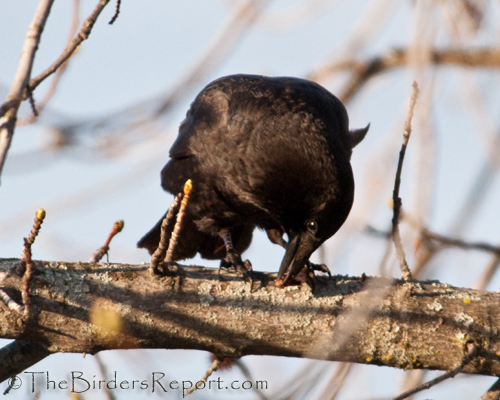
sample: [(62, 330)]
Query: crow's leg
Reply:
[(232, 260)]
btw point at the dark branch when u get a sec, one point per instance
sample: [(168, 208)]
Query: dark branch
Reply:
[(19, 355), (396, 236), (450, 374)]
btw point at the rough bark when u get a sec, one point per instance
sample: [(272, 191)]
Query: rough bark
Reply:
[(79, 308)]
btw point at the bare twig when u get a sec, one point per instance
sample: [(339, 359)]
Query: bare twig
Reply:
[(412, 379), (450, 374), (447, 241), (243, 14), (476, 106), (82, 35), (102, 369), (405, 270), (10, 303), (302, 383), (441, 239), (294, 15), (488, 57), (178, 223), (431, 241), (60, 71), (27, 262), (117, 11), (16, 92), (248, 376), (209, 372), (125, 123), (489, 272), (19, 355), (337, 381), (32, 102), (99, 253), (387, 253), (228, 363), (493, 392), (159, 254)]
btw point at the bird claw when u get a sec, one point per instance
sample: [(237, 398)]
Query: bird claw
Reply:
[(319, 267), (167, 269), (233, 262), (306, 275)]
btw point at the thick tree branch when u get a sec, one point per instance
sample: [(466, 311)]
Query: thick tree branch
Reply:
[(77, 308)]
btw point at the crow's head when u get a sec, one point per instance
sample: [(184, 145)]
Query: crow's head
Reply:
[(304, 240), (322, 215)]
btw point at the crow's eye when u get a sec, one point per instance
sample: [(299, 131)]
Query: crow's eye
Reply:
[(312, 226)]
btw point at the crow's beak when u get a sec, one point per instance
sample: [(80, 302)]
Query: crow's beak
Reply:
[(298, 251)]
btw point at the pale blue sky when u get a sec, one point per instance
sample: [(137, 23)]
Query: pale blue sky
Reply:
[(153, 44)]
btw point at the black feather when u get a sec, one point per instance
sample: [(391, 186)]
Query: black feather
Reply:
[(267, 152)]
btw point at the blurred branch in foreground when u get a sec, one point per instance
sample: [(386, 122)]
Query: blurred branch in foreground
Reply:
[(362, 71), (125, 127)]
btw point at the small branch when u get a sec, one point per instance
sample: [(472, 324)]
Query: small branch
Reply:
[(364, 70), (405, 270), (117, 11), (159, 254), (102, 369), (57, 76), (413, 379), (26, 261), (19, 355), (489, 272), (101, 251), (243, 14), (16, 92), (441, 239), (32, 102), (178, 223), (493, 392), (337, 381), (11, 303), (431, 240), (246, 373), (127, 122), (450, 374), (462, 244), (209, 372), (82, 35)]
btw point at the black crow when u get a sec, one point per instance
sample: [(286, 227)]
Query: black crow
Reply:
[(272, 153)]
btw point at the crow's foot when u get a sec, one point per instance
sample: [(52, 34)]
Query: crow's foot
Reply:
[(167, 269), (306, 275), (233, 262)]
